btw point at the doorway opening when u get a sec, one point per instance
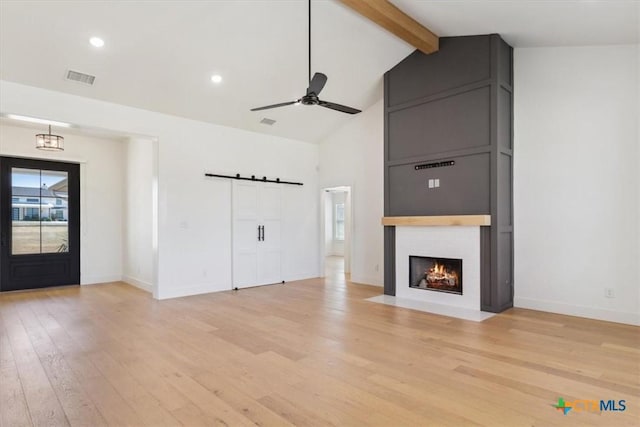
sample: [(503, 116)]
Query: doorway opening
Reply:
[(336, 233)]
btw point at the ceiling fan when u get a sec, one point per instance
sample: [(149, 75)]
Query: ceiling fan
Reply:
[(315, 87)]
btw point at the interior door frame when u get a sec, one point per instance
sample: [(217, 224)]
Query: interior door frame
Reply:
[(70, 259)]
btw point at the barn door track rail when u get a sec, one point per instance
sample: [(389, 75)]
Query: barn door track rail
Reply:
[(252, 178)]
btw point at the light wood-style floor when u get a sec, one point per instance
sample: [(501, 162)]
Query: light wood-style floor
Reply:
[(312, 352)]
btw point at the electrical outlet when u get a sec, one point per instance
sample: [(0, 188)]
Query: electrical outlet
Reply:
[(436, 182), (377, 267), (431, 183), (609, 293)]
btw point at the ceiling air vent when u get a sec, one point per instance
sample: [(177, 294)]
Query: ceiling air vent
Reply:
[(266, 121), (80, 77)]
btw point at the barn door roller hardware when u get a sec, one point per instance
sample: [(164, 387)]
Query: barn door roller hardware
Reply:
[(252, 178)]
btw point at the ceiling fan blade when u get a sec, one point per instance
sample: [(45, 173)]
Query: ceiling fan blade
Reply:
[(338, 107), (317, 83), (282, 104)]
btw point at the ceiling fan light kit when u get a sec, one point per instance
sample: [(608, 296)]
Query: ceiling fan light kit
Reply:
[(316, 84)]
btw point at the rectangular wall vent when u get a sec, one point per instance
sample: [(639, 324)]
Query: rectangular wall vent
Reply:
[(80, 77), (266, 121)]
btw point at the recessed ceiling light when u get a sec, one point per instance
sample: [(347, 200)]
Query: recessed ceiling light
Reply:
[(216, 78), (96, 41), (39, 121)]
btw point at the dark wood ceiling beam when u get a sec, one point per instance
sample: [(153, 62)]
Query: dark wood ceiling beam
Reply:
[(389, 17)]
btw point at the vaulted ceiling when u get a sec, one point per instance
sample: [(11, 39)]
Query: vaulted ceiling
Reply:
[(160, 55)]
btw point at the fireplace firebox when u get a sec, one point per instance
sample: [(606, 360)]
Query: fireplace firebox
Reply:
[(436, 274)]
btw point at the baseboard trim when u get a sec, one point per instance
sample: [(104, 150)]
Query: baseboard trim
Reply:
[(140, 284), (628, 318), (96, 280), (296, 277), (371, 281), (207, 288), (187, 291)]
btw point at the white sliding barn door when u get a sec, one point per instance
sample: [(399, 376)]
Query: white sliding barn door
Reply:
[(257, 252), (245, 233), (269, 247)]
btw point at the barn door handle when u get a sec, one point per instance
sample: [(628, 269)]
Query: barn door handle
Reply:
[(259, 235), (263, 233)]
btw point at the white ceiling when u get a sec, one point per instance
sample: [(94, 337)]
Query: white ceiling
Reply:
[(159, 55), (532, 23)]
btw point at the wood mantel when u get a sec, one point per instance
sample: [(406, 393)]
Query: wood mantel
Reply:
[(480, 220)]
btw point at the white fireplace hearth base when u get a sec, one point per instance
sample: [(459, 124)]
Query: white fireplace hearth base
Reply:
[(433, 308)]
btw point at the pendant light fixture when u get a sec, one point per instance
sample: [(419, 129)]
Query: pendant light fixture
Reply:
[(49, 142)]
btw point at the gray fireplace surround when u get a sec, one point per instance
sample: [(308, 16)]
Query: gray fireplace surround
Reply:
[(448, 120)]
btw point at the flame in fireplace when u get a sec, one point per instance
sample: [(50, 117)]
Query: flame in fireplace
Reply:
[(439, 273)]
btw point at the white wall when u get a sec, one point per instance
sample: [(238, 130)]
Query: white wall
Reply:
[(138, 224), (101, 194), (576, 181), (194, 240), (353, 156)]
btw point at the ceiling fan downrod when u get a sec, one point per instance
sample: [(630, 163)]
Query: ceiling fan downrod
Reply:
[(316, 84)]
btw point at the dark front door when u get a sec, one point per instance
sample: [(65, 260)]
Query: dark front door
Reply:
[(39, 224)]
